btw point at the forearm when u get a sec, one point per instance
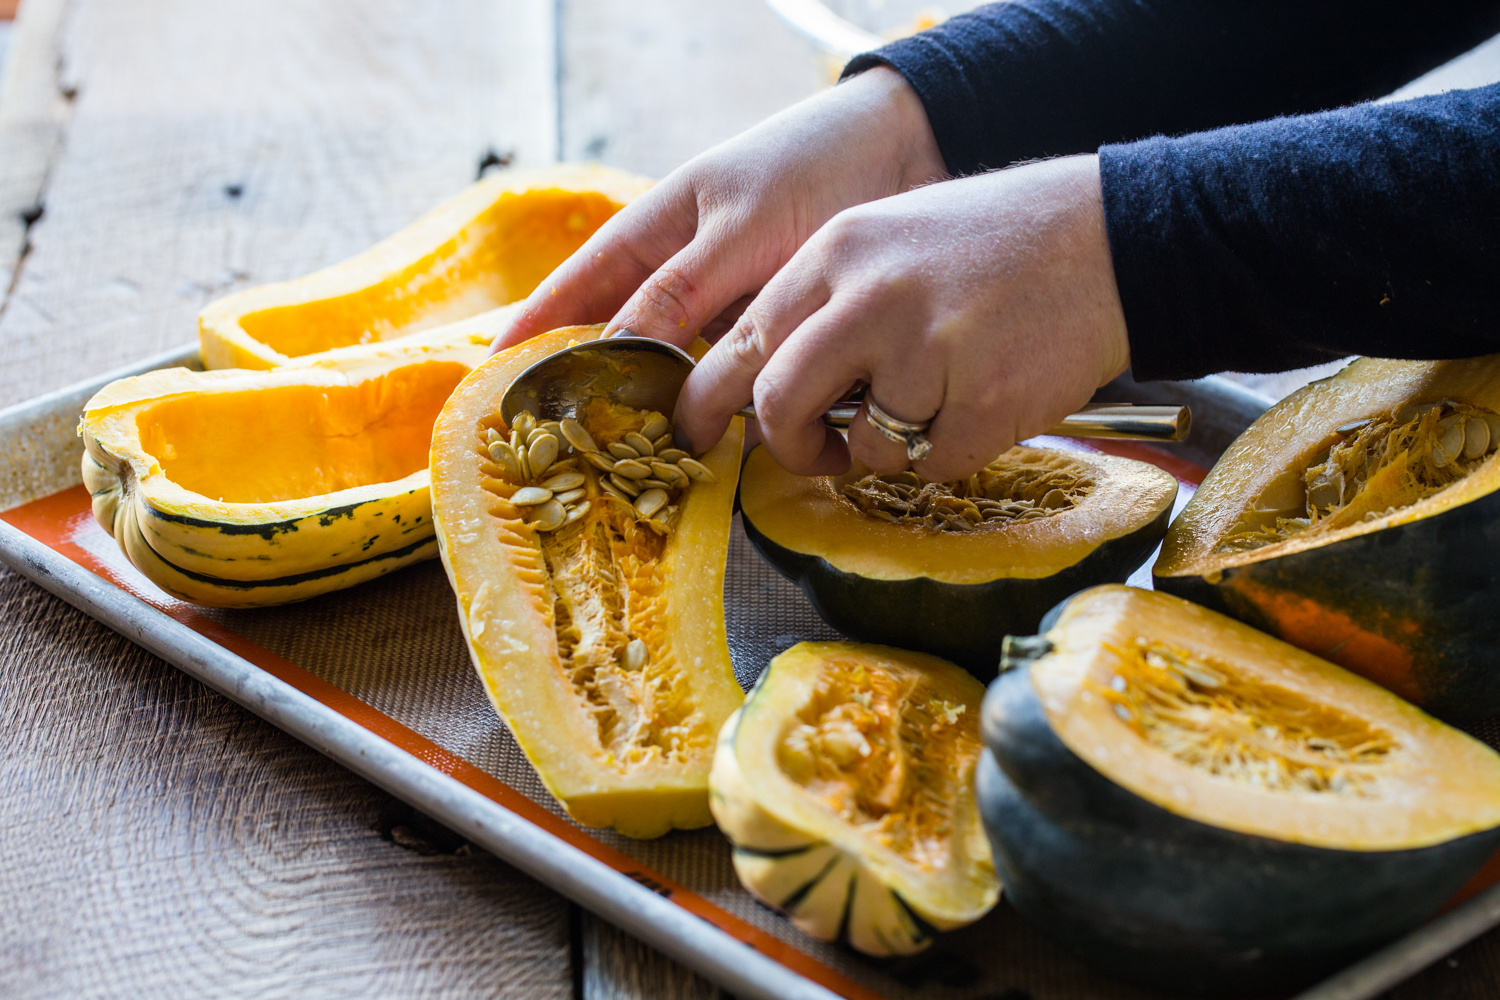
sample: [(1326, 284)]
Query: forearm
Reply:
[(1037, 78), (1368, 230)]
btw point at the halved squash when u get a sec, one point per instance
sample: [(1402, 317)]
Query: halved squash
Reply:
[(951, 569), (249, 488), (595, 623), (489, 246), (1341, 522), (1189, 802), (846, 786)]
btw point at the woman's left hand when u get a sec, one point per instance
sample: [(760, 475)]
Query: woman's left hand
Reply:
[(986, 304)]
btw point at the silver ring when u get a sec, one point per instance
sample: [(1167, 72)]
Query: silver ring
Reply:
[(899, 431)]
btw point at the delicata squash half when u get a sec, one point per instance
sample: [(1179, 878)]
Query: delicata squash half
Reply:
[(250, 488), (952, 568), (1186, 801), (587, 555), (490, 245), (1359, 519), (846, 787)]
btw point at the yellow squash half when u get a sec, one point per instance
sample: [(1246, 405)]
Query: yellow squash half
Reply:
[(846, 784), (600, 640), (248, 488), (489, 246)]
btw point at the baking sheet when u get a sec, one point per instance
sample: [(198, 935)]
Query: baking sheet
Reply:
[(382, 672)]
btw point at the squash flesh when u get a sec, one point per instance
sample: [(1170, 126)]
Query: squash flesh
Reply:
[(297, 441), (1287, 746), (547, 616)]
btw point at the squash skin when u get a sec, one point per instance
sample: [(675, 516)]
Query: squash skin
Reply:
[(509, 629), (965, 623), (256, 554), (1171, 902), (486, 247), (814, 868), (1406, 601)]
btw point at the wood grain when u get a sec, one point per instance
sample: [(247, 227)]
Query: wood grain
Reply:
[(211, 146), (160, 841)]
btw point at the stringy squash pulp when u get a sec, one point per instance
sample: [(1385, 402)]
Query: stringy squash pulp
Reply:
[(846, 786), (596, 627), (490, 245), (246, 488)]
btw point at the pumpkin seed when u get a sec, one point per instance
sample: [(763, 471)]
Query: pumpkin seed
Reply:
[(615, 493), (1476, 438), (528, 496), (642, 445), (697, 470), (650, 502), (624, 485), (523, 425), (542, 453), (662, 442), (634, 656), (652, 483), (1493, 423), (547, 517), (602, 462), (656, 426), (575, 513), (577, 436), (671, 473), (671, 455), (1450, 442), (552, 427), (632, 468), (492, 436), (621, 451), (522, 464), (563, 481), (502, 456), (570, 496)]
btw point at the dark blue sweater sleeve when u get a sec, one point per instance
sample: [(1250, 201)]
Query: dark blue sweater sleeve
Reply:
[(1252, 248)]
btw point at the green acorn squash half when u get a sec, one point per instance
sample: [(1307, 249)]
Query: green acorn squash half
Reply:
[(250, 488), (1038, 525), (488, 246), (595, 622), (1190, 803), (1341, 522), (845, 784)]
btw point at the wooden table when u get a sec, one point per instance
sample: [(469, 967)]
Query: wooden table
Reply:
[(154, 154)]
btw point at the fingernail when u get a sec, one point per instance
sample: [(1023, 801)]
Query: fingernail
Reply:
[(624, 331)]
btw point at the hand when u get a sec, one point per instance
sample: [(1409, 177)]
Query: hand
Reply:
[(709, 236), (988, 304)]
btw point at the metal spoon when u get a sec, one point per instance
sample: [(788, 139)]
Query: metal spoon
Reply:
[(647, 374)]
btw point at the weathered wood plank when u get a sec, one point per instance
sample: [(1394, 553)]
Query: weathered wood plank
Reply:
[(618, 967), (646, 85), (160, 841), (212, 146)]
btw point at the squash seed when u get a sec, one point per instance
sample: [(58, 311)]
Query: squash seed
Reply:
[(529, 496), (656, 425), (522, 464), (697, 470), (650, 502), (570, 496), (563, 481), (602, 462), (632, 468), (621, 451), (542, 453), (652, 483), (1476, 438), (548, 517), (642, 445), (524, 424), (577, 436), (492, 436), (576, 513), (624, 485), (634, 656), (671, 473), (502, 456), (552, 427), (671, 455), (614, 492), (662, 442)]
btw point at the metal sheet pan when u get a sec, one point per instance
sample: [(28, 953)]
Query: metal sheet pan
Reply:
[(699, 918)]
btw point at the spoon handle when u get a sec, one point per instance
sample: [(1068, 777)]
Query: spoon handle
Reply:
[(1110, 420)]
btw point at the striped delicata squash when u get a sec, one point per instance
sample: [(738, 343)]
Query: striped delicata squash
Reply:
[(587, 555), (846, 784), (246, 488)]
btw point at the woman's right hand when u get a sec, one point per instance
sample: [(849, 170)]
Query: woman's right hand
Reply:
[(687, 256)]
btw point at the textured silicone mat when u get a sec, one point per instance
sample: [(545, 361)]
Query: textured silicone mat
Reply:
[(394, 645)]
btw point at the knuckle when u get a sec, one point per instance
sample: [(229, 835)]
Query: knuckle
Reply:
[(671, 294)]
